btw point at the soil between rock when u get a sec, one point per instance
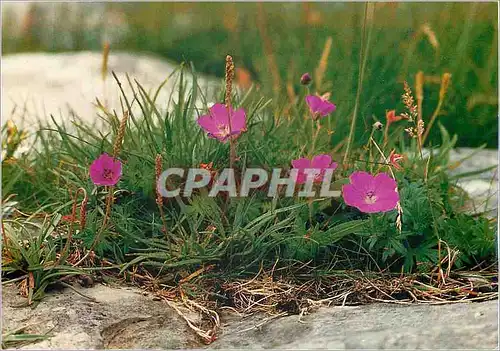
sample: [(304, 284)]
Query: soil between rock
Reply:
[(127, 318)]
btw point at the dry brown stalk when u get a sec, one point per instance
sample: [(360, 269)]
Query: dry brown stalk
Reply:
[(159, 198), (445, 82), (119, 137), (319, 73), (105, 56), (268, 47)]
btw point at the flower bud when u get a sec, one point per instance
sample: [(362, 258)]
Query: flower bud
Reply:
[(377, 125), (305, 79)]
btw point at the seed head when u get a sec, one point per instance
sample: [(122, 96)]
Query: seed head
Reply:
[(229, 79), (158, 159), (445, 82), (121, 133)]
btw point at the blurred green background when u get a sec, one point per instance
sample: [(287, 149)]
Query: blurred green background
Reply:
[(274, 43)]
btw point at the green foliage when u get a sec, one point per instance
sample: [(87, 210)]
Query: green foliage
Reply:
[(236, 235), (18, 338), (30, 250)]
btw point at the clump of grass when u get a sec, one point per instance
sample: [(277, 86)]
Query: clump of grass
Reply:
[(212, 244), (240, 235)]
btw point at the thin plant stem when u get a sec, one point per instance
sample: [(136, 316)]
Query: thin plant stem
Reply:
[(315, 134), (419, 92), (445, 82), (363, 55), (109, 202), (72, 224), (399, 218), (432, 120)]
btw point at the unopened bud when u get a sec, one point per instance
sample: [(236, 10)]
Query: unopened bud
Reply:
[(305, 79)]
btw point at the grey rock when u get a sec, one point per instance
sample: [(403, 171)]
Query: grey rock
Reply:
[(128, 318), (37, 85), (119, 318), (378, 326)]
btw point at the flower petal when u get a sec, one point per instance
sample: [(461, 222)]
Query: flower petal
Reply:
[(326, 108), (238, 121), (384, 184), (96, 173), (334, 165), (368, 208), (362, 181), (301, 177), (321, 161), (219, 114), (301, 163), (386, 203), (117, 172), (208, 124), (314, 102), (352, 196)]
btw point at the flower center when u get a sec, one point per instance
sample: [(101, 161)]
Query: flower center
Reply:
[(223, 130), (107, 174), (370, 197)]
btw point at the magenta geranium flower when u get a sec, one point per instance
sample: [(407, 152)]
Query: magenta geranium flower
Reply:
[(319, 163), (216, 123), (319, 106), (105, 170), (371, 194)]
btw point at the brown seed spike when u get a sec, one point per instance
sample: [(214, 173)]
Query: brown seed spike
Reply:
[(445, 82), (121, 133), (158, 159), (229, 79)]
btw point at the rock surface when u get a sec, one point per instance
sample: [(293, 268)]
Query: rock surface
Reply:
[(483, 188), (120, 318), (36, 85), (127, 318)]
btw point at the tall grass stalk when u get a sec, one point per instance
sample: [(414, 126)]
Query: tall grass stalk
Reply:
[(268, 47), (104, 70), (323, 63), (363, 57), (445, 82)]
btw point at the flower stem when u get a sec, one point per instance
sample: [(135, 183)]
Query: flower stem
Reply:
[(399, 217), (72, 224), (109, 203), (315, 135), (432, 120)]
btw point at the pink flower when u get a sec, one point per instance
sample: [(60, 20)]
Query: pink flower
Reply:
[(371, 194), (216, 123), (319, 105), (105, 170), (319, 163)]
